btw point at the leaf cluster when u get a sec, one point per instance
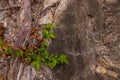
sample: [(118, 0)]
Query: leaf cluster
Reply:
[(40, 56)]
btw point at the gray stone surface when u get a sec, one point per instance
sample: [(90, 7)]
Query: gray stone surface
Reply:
[(86, 31)]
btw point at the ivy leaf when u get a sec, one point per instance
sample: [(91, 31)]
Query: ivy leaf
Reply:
[(63, 59), (36, 62), (38, 58), (44, 44), (9, 50), (36, 65), (46, 54), (53, 61), (1, 43), (41, 49), (53, 25), (50, 26), (53, 64), (53, 56), (52, 36), (34, 57), (45, 33), (31, 51), (19, 53)]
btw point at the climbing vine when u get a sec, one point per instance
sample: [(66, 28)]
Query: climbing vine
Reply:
[(37, 57)]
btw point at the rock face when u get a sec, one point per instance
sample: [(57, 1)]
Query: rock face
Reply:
[(88, 31)]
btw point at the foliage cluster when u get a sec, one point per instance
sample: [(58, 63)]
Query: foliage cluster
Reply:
[(40, 56)]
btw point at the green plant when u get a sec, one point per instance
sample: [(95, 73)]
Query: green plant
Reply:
[(1, 43), (44, 57), (40, 56)]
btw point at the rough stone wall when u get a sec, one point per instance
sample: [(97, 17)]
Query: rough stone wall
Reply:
[(88, 31)]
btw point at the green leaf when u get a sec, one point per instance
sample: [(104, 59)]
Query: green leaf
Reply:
[(9, 50), (36, 65), (28, 59), (50, 26), (1, 42), (53, 64), (36, 62), (53, 61), (19, 53), (46, 54), (52, 36), (63, 59), (53, 56), (45, 33), (31, 51), (66, 61), (44, 44), (38, 58), (34, 57), (41, 49)]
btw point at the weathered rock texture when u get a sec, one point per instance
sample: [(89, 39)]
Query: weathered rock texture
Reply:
[(88, 31)]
